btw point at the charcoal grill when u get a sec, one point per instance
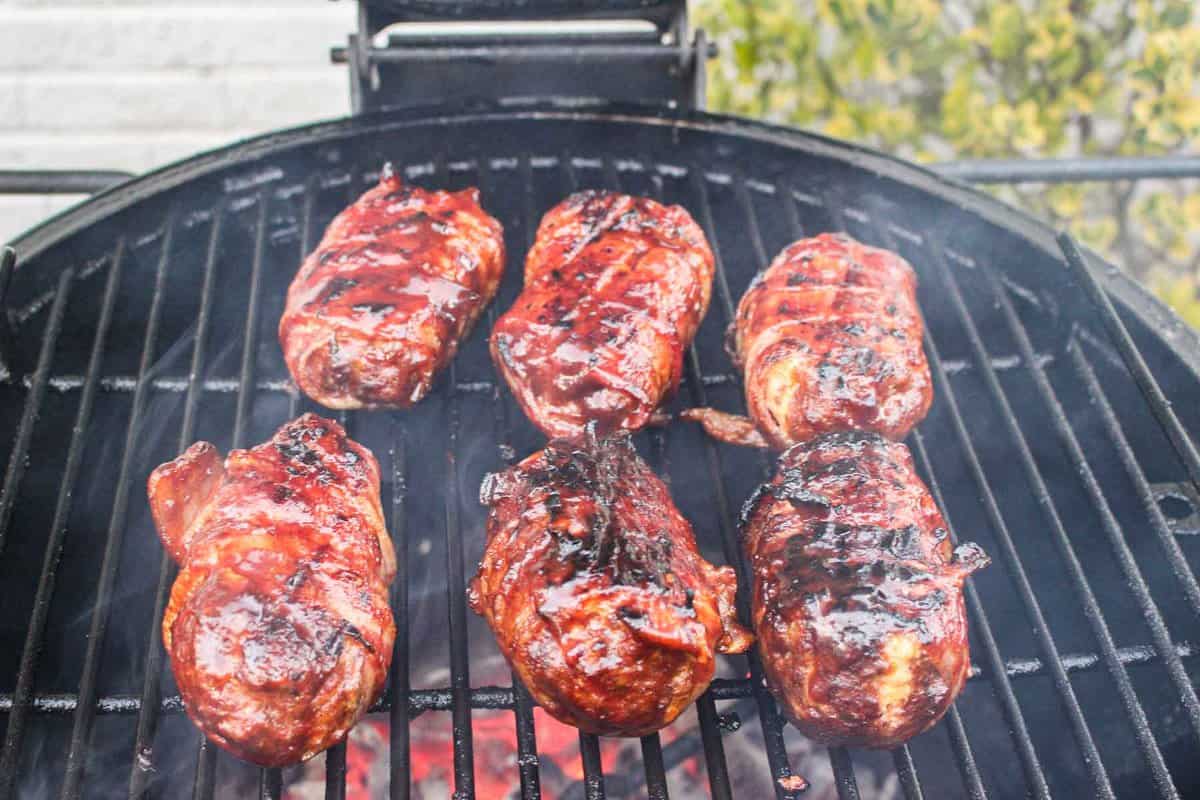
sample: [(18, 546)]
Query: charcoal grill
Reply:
[(1059, 440)]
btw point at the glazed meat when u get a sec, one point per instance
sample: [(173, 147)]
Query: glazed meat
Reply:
[(615, 288), (857, 597), (378, 309), (828, 339), (278, 626), (594, 588)]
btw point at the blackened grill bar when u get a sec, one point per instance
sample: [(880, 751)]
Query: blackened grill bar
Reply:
[(504, 698), (250, 240)]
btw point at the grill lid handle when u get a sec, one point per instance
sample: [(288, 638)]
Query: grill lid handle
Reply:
[(416, 52), (435, 10)]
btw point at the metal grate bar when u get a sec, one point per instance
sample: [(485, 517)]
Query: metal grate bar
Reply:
[(593, 769), (1016, 572), (1179, 565), (271, 779), (143, 754), (843, 773), (1035, 776), (1133, 359), (335, 772), (1083, 590), (652, 755), (527, 755), (33, 402), (270, 784), (768, 713), (460, 671), (965, 758), (54, 540), (460, 677), (208, 755), (714, 748), (706, 710), (1033, 770), (85, 711), (399, 686), (126, 383), (906, 771), (589, 744), (1133, 574), (847, 785), (335, 756), (656, 772), (245, 395), (902, 756), (503, 698), (708, 223), (761, 257), (206, 771)]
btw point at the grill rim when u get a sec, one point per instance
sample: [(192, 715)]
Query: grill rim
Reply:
[(260, 193), (1182, 340)]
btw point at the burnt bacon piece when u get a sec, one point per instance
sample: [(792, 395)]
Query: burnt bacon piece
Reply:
[(857, 596), (593, 585), (278, 626), (615, 288), (828, 338), (378, 309)]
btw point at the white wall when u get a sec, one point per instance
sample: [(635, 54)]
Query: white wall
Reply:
[(121, 84)]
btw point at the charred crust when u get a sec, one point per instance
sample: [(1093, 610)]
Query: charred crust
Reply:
[(373, 308), (299, 456), (350, 630), (335, 288), (751, 504), (600, 469)]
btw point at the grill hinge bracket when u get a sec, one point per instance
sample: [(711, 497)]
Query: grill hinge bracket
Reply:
[(425, 51)]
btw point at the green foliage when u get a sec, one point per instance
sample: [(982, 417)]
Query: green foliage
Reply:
[(979, 79)]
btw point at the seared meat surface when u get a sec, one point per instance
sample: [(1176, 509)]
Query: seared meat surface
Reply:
[(615, 288), (278, 626), (378, 309), (857, 597), (829, 339), (593, 585)]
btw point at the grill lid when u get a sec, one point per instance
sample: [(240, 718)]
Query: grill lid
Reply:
[(145, 319)]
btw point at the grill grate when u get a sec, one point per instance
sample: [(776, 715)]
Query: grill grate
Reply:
[(1029, 401)]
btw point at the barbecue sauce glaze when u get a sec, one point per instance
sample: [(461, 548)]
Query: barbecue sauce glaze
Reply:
[(829, 338), (857, 596), (399, 279), (615, 288), (278, 625), (593, 585)]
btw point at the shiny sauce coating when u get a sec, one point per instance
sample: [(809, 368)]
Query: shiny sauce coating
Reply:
[(615, 288), (278, 625), (857, 596), (379, 308), (594, 588), (828, 338)]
